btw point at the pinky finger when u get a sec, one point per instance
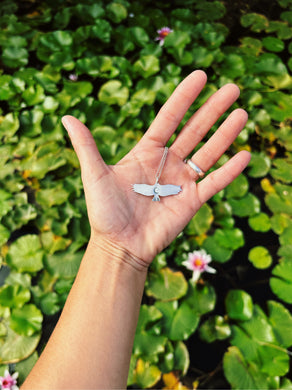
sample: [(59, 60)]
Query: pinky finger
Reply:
[(219, 179)]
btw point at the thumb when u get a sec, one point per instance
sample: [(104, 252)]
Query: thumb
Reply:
[(92, 165)]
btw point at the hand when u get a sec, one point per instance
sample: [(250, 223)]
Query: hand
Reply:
[(133, 222)]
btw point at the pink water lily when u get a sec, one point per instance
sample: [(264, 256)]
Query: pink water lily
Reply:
[(162, 34), (197, 262), (9, 382)]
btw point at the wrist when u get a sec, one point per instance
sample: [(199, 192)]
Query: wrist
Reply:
[(116, 253)]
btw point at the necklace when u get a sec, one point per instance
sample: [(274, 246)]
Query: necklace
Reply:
[(157, 189)]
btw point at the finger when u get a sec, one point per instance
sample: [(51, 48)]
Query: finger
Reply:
[(173, 111), (220, 141), (219, 179), (91, 162), (199, 124)]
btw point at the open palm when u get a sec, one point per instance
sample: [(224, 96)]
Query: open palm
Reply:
[(134, 222)]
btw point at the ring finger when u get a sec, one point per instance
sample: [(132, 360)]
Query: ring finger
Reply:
[(213, 149), (206, 116)]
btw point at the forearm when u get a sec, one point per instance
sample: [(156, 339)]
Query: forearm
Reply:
[(91, 345)]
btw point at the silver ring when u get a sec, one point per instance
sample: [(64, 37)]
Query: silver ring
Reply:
[(195, 167)]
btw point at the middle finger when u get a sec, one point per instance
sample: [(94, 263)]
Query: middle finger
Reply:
[(200, 123)]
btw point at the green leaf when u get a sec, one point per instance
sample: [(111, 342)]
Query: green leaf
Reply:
[(269, 64), (282, 170), (178, 322), (146, 375), (246, 206), (17, 347), (147, 66), (6, 92), (9, 125), (166, 285), (26, 320), (285, 238), (281, 283), (101, 66), (237, 188), (26, 254), (260, 222), (260, 257), (239, 305), (232, 66), (241, 374), (148, 345), (210, 11), (147, 316), (201, 298), (139, 36), (203, 57), (185, 321), (33, 95), (229, 238), (15, 57), (259, 165), (64, 265), (5, 202), (214, 328), (281, 320), (217, 251), (14, 296), (277, 204), (273, 44), (256, 22), (181, 357), (116, 12), (113, 92), (4, 235), (48, 197), (201, 222)]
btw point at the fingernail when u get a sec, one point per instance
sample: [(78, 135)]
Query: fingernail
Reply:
[(67, 124)]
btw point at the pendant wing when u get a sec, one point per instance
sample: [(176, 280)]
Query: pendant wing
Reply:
[(169, 189), (143, 189)]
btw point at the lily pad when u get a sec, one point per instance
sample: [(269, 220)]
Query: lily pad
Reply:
[(281, 320), (259, 165), (260, 222), (246, 206), (201, 298), (113, 92), (147, 66), (229, 238), (63, 265), (256, 22), (166, 285), (26, 320), (14, 296), (282, 170), (146, 375), (17, 347), (281, 282), (26, 254), (239, 305), (260, 257), (201, 222), (178, 322), (273, 44), (242, 374), (214, 328), (218, 252)]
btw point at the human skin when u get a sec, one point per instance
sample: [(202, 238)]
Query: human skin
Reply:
[(91, 345)]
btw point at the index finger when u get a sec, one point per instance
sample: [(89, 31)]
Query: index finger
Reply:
[(173, 111)]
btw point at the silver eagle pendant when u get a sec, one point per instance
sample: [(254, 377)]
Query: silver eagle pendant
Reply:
[(157, 190)]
